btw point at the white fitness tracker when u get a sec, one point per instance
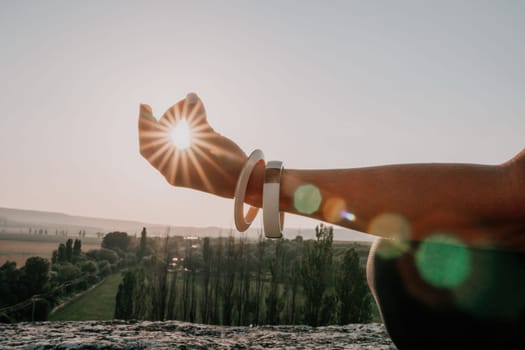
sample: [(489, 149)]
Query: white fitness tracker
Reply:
[(273, 219)]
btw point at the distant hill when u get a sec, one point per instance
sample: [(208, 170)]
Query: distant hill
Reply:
[(20, 221)]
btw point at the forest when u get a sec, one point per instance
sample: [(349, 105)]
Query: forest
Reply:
[(228, 281), (223, 280)]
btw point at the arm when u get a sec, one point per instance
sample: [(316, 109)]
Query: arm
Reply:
[(479, 204)]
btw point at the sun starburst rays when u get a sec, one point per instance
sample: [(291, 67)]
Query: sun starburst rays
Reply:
[(184, 111), (172, 171), (202, 175), (197, 108), (185, 171), (165, 159), (210, 161), (181, 163), (161, 151), (152, 144)]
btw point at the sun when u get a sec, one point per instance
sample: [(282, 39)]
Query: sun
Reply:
[(180, 134)]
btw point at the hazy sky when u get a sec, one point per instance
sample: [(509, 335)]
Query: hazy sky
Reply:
[(316, 84)]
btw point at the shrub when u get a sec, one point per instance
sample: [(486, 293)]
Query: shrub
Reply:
[(67, 272), (89, 267), (104, 268), (35, 275), (116, 240), (103, 254)]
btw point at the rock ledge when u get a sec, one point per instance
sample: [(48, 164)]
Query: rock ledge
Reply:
[(110, 335)]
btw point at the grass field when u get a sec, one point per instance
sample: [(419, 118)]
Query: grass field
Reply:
[(18, 248), (97, 304)]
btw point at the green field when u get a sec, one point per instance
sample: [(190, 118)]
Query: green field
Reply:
[(97, 304)]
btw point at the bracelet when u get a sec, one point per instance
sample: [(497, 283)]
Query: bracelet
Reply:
[(242, 223), (273, 219)]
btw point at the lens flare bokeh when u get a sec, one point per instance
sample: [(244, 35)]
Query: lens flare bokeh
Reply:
[(443, 260), (307, 199), (347, 215), (397, 228), (333, 208)]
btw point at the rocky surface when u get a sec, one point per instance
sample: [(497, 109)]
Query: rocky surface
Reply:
[(111, 335)]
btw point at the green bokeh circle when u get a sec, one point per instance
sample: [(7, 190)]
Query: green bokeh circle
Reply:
[(443, 261), (307, 199)]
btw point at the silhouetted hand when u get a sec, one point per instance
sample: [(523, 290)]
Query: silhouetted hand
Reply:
[(211, 163)]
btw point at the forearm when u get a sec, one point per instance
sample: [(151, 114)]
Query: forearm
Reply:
[(429, 197)]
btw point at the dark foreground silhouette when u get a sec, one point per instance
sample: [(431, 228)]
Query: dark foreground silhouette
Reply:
[(482, 306)]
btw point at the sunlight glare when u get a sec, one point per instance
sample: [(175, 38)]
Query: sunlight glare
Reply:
[(181, 134)]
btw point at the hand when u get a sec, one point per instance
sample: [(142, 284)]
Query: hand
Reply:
[(211, 163)]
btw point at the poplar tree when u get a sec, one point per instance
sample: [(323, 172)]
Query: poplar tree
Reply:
[(77, 248), (316, 272), (207, 256), (124, 299), (69, 250), (352, 291), (229, 280)]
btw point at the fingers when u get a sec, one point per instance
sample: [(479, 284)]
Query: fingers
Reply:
[(192, 110), (150, 133), (192, 98), (146, 112)]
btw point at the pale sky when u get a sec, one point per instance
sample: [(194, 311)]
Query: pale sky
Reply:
[(323, 84)]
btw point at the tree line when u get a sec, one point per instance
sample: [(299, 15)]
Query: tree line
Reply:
[(228, 281), (30, 292)]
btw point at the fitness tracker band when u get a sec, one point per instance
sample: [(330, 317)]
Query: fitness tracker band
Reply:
[(273, 219)]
